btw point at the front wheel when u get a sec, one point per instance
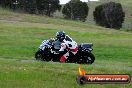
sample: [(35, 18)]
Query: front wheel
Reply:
[(39, 55)]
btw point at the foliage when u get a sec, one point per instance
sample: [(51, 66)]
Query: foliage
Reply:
[(76, 10), (44, 7), (110, 15), (47, 7)]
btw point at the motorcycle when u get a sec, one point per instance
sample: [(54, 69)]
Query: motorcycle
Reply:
[(47, 52)]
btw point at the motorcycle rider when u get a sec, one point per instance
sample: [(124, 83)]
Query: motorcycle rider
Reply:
[(67, 45)]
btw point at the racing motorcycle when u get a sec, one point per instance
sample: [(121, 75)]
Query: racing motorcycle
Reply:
[(47, 52)]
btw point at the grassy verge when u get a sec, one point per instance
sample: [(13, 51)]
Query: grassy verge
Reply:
[(32, 74)]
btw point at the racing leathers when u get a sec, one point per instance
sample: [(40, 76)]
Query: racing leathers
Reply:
[(68, 45)]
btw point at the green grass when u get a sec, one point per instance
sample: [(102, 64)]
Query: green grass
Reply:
[(20, 36), (32, 74)]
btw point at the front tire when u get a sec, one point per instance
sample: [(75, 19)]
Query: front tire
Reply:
[(39, 55)]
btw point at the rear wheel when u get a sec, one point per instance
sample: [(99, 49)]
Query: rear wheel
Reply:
[(89, 58)]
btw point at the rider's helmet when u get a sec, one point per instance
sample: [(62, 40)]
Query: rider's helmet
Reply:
[(60, 36)]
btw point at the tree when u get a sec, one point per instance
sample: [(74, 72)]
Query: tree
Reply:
[(47, 7), (28, 6), (5, 3), (109, 15), (75, 10), (1, 2)]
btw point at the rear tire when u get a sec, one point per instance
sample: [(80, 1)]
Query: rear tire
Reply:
[(89, 59)]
